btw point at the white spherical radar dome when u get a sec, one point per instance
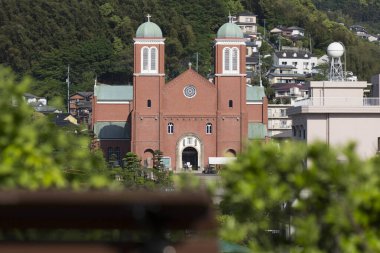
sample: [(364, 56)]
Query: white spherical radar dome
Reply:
[(335, 49)]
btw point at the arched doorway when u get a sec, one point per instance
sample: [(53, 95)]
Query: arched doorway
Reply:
[(190, 158), (230, 153), (148, 158), (189, 149)]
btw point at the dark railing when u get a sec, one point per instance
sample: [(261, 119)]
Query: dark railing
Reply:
[(135, 222)]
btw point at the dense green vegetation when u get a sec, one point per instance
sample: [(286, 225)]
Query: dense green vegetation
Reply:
[(365, 12), (34, 153), (291, 198), (95, 37)]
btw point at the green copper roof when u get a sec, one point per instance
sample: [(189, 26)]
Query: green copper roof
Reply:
[(230, 30), (256, 131), (149, 30), (104, 92), (112, 130), (255, 93)]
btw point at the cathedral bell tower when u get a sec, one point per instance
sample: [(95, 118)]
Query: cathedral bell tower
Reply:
[(148, 80), (230, 80)]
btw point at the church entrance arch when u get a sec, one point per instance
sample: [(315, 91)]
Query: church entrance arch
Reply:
[(190, 158), (189, 152)]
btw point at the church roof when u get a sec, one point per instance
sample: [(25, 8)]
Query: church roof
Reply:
[(107, 92), (112, 130), (255, 93), (256, 131), (230, 30), (149, 30)]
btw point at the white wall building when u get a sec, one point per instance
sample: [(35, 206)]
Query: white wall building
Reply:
[(337, 113), (279, 124), (303, 61), (247, 22)]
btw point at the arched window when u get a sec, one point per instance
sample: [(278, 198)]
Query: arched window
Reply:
[(227, 59), (170, 128), (235, 58), (145, 59), (149, 59), (208, 128), (153, 59), (231, 60)]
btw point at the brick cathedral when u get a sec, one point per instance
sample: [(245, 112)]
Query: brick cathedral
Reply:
[(189, 118)]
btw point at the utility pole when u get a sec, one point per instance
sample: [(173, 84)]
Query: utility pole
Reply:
[(264, 31), (261, 81), (68, 88), (196, 67), (311, 48)]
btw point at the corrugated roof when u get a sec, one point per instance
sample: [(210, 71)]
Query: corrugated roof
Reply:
[(256, 131), (107, 92), (112, 130), (255, 93)]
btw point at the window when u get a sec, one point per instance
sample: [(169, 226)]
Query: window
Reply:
[(117, 153), (149, 103), (109, 153), (153, 59), (283, 112), (378, 144), (170, 128), (208, 128), (295, 64), (227, 59), (230, 103), (231, 60), (235, 57), (149, 60), (284, 63), (145, 60)]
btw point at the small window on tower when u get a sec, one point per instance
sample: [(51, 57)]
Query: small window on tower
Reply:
[(149, 103), (230, 103)]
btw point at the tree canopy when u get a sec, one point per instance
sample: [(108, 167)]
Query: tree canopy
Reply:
[(302, 199), (34, 153)]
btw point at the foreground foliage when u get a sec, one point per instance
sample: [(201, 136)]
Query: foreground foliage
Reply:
[(303, 199), (36, 154)]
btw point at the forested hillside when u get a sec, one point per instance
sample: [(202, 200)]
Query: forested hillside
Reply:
[(365, 12), (42, 37)]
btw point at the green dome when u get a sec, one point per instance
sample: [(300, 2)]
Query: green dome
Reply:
[(149, 30), (230, 30)]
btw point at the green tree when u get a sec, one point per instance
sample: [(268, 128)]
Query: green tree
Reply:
[(325, 198), (36, 154), (157, 160)]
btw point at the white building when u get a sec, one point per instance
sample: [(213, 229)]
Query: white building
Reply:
[(337, 113), (302, 60), (247, 22), (279, 124)]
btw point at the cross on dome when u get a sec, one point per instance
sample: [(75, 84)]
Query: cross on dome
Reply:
[(148, 16), (230, 17)]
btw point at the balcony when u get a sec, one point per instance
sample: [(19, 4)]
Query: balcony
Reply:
[(338, 102)]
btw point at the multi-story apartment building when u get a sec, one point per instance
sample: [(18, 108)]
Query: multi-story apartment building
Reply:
[(279, 124)]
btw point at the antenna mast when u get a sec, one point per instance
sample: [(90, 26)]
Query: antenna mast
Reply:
[(68, 88)]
